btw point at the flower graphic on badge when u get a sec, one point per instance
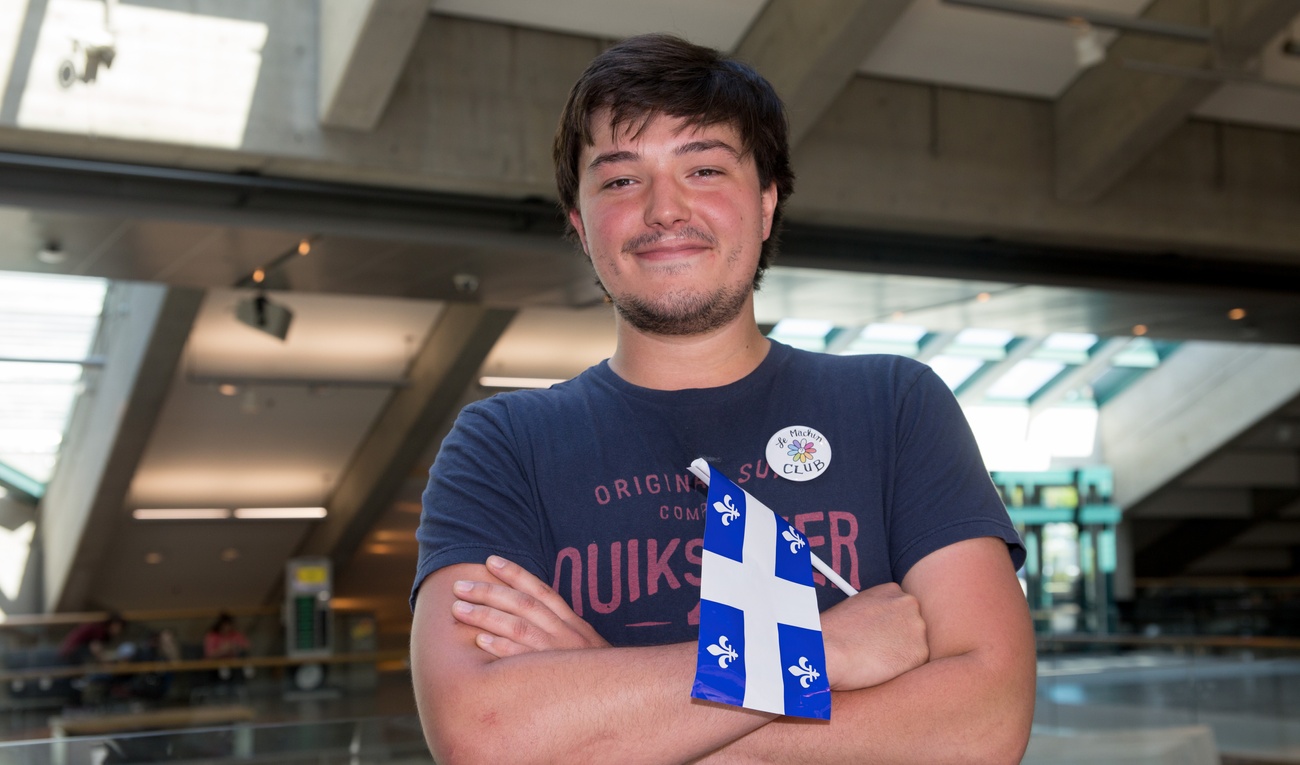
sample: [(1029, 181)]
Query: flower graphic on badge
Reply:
[(798, 453), (801, 451)]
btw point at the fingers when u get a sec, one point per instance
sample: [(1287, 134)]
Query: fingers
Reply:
[(500, 647), (518, 578), (507, 613), (518, 613)]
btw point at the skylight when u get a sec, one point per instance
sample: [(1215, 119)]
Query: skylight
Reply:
[(808, 334), (1019, 419), (902, 339), (989, 344), (1024, 379), (47, 325), (955, 370)]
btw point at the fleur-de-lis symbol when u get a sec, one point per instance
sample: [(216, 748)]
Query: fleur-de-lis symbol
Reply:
[(804, 671), (725, 653), (795, 539), (728, 510)]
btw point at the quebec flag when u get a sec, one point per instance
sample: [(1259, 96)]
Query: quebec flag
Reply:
[(760, 631)]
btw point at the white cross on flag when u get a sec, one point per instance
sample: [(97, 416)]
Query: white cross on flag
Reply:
[(760, 633)]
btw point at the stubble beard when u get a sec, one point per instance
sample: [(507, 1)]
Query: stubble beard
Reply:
[(681, 314)]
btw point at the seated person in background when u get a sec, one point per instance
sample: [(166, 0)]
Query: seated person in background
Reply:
[(96, 643), (225, 641), (92, 642)]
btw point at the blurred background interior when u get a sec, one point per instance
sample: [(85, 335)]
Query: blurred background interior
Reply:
[(255, 256)]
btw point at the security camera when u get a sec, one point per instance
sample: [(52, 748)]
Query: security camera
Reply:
[(91, 57), (466, 284)]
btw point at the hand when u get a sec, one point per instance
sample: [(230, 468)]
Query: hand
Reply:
[(873, 637), (518, 613)]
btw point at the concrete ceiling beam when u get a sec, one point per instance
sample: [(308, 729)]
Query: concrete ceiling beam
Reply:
[(810, 49), (1113, 116), (439, 375), (146, 329), (364, 47), (1193, 405)]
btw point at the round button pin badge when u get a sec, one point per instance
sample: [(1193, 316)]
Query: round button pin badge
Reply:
[(798, 453)]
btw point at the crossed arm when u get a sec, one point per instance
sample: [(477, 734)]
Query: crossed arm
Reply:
[(941, 670)]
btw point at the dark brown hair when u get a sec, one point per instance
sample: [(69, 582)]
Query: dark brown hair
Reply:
[(652, 75)]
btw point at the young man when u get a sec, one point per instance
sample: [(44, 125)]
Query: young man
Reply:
[(673, 167)]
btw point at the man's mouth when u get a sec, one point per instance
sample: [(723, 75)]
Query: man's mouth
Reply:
[(660, 246)]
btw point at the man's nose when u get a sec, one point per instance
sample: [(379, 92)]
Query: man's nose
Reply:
[(667, 204)]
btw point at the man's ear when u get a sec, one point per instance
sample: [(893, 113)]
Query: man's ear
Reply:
[(768, 200), (575, 220)]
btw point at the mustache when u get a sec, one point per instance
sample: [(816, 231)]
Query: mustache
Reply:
[(650, 239)]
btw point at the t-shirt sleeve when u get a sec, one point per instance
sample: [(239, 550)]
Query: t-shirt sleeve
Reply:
[(942, 492), (478, 501)]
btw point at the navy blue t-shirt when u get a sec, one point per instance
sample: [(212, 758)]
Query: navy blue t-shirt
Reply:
[(586, 484)]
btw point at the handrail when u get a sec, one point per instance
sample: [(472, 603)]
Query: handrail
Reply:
[(1188, 641), (1219, 582), (199, 665), (152, 615)]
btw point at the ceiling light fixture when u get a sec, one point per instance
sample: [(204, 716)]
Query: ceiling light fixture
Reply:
[(1088, 50), (1139, 329), (180, 514), (279, 513), (262, 313), (1237, 314), (271, 272), (228, 389), (52, 253), (519, 382)]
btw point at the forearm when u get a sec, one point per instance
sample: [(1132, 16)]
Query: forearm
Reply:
[(576, 705), (612, 705), (958, 709)]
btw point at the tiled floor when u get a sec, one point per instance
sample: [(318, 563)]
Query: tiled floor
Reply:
[(1250, 703)]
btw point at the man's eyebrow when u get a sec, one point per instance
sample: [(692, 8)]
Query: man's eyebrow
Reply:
[(691, 147), (694, 147), (610, 157)]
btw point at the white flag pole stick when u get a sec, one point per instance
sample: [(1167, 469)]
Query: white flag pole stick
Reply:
[(700, 469)]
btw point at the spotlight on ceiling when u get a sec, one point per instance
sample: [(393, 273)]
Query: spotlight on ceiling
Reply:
[(260, 313), (51, 253), (1088, 50)]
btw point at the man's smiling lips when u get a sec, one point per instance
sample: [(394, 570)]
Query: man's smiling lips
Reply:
[(682, 245), (671, 250)]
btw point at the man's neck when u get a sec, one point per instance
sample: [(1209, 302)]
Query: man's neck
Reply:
[(665, 362)]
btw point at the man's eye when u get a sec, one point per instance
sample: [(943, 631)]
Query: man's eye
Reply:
[(618, 183), (707, 171)]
